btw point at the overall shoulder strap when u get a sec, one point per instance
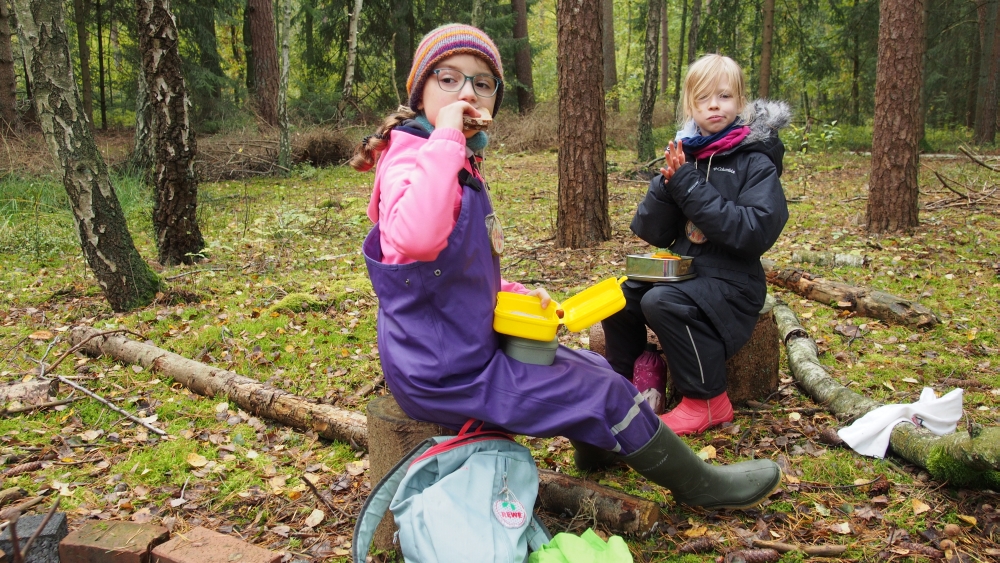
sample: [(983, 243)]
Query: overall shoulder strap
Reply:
[(538, 534), (378, 501)]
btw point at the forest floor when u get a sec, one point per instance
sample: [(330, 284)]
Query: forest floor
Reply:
[(273, 239)]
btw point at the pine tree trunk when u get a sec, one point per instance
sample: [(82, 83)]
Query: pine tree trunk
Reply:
[(81, 9), (251, 82), (284, 142), (522, 59), (651, 72), (209, 95), (664, 49), (352, 50), (175, 209), (765, 50), (608, 47), (265, 59), (9, 121), (124, 277), (989, 68), (582, 219), (693, 32), (892, 197)]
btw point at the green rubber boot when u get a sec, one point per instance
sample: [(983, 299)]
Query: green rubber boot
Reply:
[(667, 461), (591, 458)]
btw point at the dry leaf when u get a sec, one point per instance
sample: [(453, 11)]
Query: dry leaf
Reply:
[(919, 507), (222, 407), (909, 380), (281, 530), (696, 532), (41, 335), (355, 467), (252, 454), (91, 435), (970, 520), (277, 483), (315, 518), (794, 417), (841, 528), (177, 502), (708, 452), (195, 459)]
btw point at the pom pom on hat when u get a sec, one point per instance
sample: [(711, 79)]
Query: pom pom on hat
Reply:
[(443, 42)]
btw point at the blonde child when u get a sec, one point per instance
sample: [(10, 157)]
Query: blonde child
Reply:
[(718, 198)]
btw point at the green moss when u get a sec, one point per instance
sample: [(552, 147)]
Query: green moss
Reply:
[(943, 467), (298, 303)]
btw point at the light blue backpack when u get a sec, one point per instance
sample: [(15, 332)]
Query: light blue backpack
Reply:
[(458, 499)]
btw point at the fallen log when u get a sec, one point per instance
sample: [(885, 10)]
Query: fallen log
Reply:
[(863, 301), (252, 396), (328, 421), (960, 458), (559, 493)]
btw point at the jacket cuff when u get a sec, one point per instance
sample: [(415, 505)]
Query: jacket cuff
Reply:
[(683, 182), (448, 134)]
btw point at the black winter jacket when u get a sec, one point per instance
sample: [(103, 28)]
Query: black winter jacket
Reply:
[(735, 199)]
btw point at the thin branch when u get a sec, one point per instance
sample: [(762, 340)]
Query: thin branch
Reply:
[(106, 403), (323, 499), (188, 273), (977, 160), (28, 408), (38, 531)]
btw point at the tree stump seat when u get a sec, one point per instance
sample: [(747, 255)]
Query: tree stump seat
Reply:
[(751, 374)]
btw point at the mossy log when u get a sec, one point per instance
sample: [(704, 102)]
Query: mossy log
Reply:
[(251, 395), (863, 301), (961, 458), (559, 493), (751, 374)]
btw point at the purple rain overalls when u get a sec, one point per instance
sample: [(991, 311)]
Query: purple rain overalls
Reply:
[(442, 361)]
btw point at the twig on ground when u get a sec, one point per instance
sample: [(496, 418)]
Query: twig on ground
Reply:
[(108, 404), (28, 408), (322, 499), (38, 531), (366, 389), (977, 160)]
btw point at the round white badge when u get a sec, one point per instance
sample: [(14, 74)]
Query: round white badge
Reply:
[(510, 513)]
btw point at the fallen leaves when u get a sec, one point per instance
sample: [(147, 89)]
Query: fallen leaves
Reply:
[(194, 459)]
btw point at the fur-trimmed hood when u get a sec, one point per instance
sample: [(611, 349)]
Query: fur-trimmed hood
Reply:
[(769, 117)]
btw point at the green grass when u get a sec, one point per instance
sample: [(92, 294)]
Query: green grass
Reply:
[(284, 298)]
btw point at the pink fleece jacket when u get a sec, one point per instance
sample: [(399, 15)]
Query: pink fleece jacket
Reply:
[(417, 197)]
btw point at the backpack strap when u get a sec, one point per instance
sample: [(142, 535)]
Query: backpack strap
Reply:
[(378, 501), (538, 534)]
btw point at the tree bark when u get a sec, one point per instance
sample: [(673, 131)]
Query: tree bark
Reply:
[(143, 147), (608, 48), (664, 48), (764, 90), (989, 69), (522, 58), (559, 493), (477, 13), (124, 277), (865, 302), (100, 66), (681, 40), (352, 50), (961, 458), (582, 218), (252, 396), (81, 11), (284, 141), (403, 44), (892, 199), (9, 121), (651, 72), (265, 59), (175, 206), (693, 32)]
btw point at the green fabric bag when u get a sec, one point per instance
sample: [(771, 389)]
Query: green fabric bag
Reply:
[(585, 548)]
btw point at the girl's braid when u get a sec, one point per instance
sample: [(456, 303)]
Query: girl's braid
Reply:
[(366, 153)]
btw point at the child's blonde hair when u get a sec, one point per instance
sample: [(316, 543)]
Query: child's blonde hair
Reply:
[(367, 151), (703, 76)]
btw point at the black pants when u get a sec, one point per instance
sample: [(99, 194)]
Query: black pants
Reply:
[(695, 351)]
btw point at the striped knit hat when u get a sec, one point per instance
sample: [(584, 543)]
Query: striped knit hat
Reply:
[(445, 41)]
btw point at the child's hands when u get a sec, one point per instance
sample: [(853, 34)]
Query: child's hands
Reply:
[(673, 158), (451, 115), (540, 292)]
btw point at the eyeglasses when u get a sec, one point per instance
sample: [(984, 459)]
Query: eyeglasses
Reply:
[(451, 80)]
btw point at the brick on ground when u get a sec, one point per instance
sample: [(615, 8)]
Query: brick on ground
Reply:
[(201, 545), (112, 542), (46, 546)]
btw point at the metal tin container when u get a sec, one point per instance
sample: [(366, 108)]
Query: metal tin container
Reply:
[(529, 351), (643, 267)]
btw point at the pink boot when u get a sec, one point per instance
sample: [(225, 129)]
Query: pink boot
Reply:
[(694, 416)]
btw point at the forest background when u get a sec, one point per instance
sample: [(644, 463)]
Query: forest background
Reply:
[(281, 293)]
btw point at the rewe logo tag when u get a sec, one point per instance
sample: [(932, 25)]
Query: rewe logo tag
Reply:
[(510, 513)]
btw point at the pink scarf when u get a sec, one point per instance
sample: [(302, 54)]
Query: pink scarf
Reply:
[(731, 139)]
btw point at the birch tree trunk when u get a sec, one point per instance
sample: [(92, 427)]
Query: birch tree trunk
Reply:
[(651, 73), (9, 120), (284, 143), (81, 9), (477, 14), (352, 51), (175, 209), (126, 280), (143, 147), (664, 48)]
